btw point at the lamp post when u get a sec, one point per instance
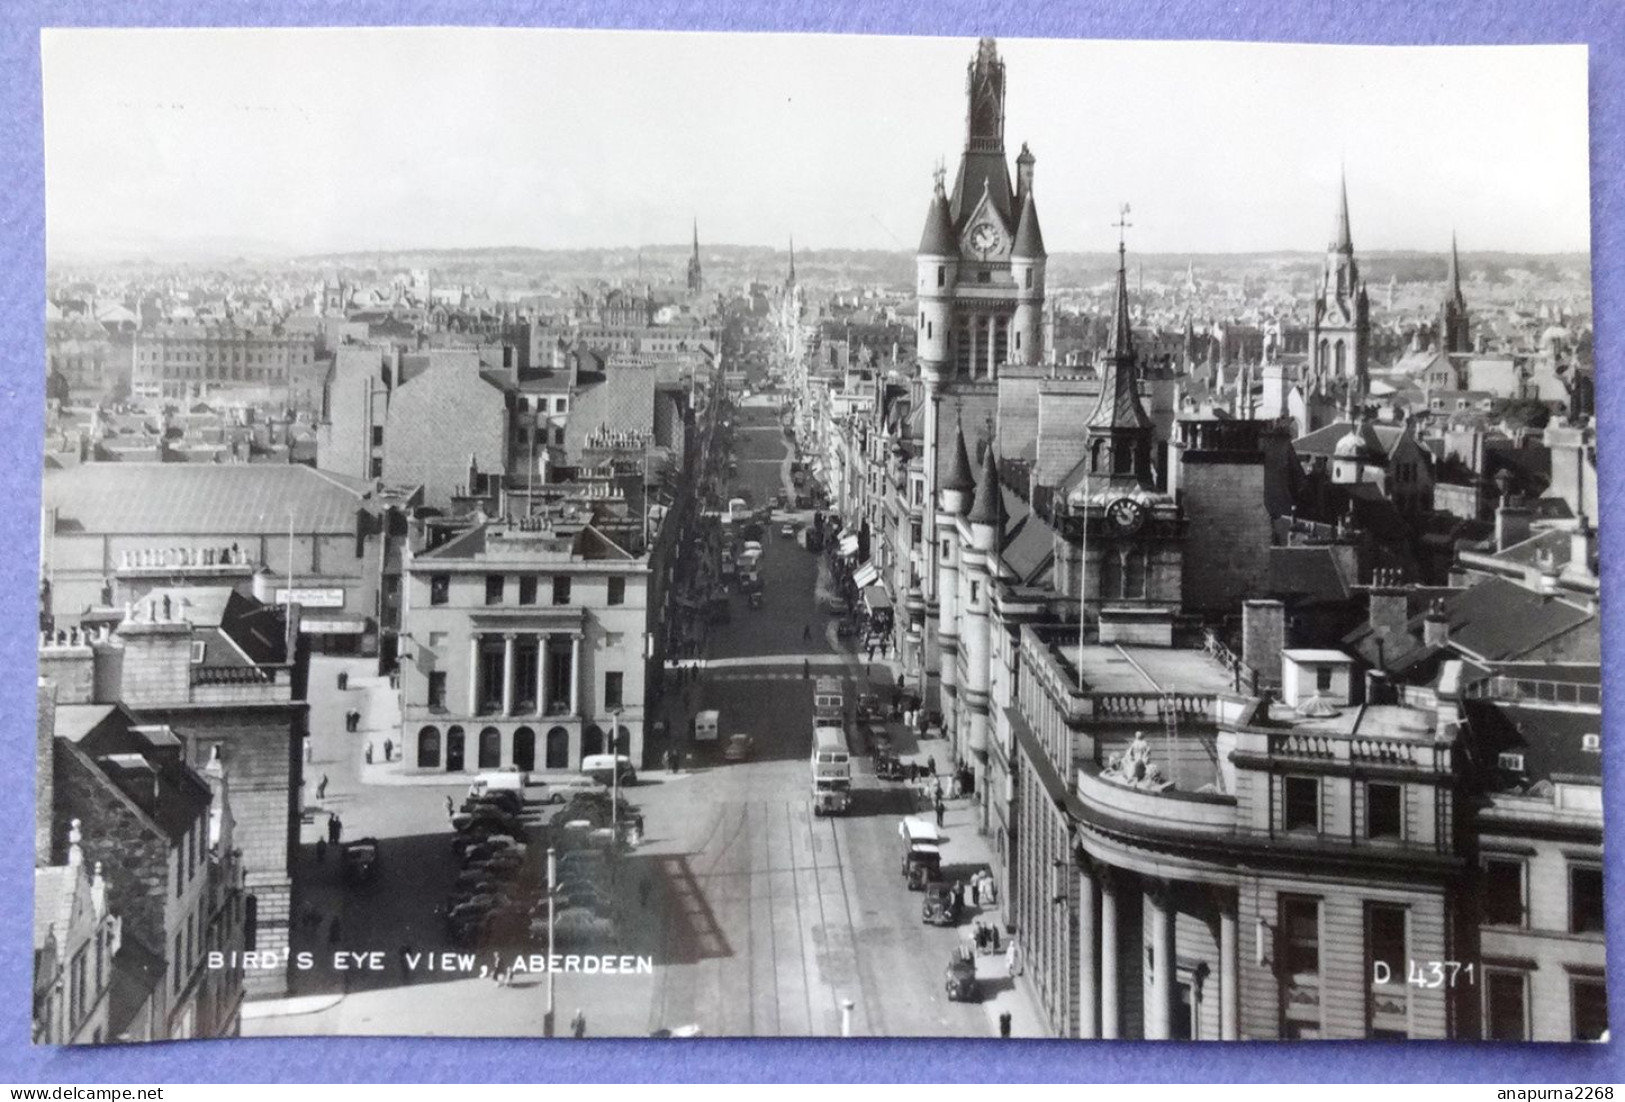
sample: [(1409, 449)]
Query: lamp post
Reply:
[(615, 777), (552, 897)]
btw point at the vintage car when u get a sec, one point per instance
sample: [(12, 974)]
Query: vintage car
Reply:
[(755, 597), (869, 707), (739, 747), (361, 861), (962, 985), (787, 531), (940, 907)]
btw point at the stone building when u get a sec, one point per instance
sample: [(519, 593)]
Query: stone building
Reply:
[(442, 424), (526, 645), (205, 676), (183, 361), (77, 937)]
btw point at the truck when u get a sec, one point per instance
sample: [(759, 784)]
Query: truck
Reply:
[(831, 771)]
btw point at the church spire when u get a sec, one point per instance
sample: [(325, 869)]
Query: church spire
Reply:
[(695, 280), (791, 281), (1120, 347), (1454, 335), (1453, 277), (1342, 239)]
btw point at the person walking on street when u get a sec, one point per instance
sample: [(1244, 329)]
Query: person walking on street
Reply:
[(368, 753), (335, 829), (451, 807), (389, 750), (578, 1024), (321, 850), (931, 765), (940, 809), (321, 788), (871, 656)]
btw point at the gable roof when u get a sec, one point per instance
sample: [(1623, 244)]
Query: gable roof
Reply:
[(200, 499)]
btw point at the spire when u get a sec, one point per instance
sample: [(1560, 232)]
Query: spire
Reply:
[(938, 238), (960, 478), (1342, 240), (1121, 346), (1119, 406), (1452, 279), (988, 508), (1029, 244), (696, 239), (791, 282)]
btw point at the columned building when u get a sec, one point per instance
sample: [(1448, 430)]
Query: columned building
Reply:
[(524, 645)]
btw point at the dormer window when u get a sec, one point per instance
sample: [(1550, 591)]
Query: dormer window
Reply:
[(198, 651)]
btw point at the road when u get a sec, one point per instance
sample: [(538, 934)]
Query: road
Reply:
[(761, 919)]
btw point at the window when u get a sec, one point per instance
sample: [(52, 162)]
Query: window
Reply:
[(942, 275), (1585, 899), (561, 591), (944, 550), (200, 651), (1503, 892), (1301, 801), (377, 436), (914, 533), (975, 591), (527, 589), (1504, 1010), (1384, 811), (1028, 280), (1300, 936), (437, 689), (1323, 679), (612, 689), (439, 589), (1589, 999), (175, 977), (437, 639), (493, 589), (376, 467), (617, 591), (1385, 940)]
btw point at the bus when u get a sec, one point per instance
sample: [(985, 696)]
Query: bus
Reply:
[(831, 771), (738, 509), (829, 705)]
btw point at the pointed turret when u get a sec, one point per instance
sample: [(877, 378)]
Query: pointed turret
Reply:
[(988, 508), (960, 479), (938, 238), (695, 279), (1120, 346), (1452, 279), (1029, 244), (791, 280)]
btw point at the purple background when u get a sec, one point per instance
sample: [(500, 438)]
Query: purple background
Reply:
[(1600, 24)]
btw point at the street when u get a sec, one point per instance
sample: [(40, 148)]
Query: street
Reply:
[(761, 918)]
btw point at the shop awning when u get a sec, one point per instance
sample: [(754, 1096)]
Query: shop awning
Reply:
[(865, 576), (876, 598)]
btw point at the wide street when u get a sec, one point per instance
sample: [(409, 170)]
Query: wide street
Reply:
[(761, 918)]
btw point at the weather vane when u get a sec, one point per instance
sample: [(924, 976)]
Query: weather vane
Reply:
[(1122, 224)]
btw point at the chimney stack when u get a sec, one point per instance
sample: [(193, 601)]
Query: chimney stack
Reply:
[(1263, 637), (1511, 525), (1436, 626)]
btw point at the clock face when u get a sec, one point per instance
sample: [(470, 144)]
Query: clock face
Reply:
[(1126, 514), (984, 239)]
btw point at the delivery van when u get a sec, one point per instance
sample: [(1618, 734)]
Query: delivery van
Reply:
[(707, 726)]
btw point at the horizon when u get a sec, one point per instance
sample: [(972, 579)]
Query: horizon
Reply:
[(515, 135)]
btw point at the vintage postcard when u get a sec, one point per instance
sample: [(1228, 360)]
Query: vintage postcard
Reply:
[(589, 534)]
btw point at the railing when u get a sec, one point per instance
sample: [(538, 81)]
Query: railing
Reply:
[(1534, 690), (1198, 706), (230, 675), (1361, 750)]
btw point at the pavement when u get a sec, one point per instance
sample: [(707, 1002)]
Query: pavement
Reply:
[(759, 917)]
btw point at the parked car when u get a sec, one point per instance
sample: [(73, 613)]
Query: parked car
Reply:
[(740, 747), (940, 907), (962, 986), (835, 606), (787, 531)]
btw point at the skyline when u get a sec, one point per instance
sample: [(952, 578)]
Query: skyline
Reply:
[(400, 139)]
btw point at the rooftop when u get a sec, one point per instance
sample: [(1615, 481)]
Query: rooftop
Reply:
[(1119, 669)]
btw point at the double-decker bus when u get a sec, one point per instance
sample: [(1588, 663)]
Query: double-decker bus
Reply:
[(831, 771)]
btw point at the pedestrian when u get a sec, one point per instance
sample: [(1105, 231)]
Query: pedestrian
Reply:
[(321, 788), (1013, 959), (368, 753), (940, 809), (994, 932), (806, 670), (806, 632), (451, 807), (334, 829), (931, 765), (344, 679), (871, 655), (321, 850), (578, 1024), (389, 750), (1004, 1024), (959, 895), (333, 931)]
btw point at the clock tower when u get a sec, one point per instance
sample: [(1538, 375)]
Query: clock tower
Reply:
[(1130, 530)]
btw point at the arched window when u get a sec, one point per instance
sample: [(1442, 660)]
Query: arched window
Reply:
[(1134, 571), (490, 748), (623, 740), (454, 749), (429, 748), (1321, 354), (558, 749), (1341, 349), (524, 749), (592, 740)]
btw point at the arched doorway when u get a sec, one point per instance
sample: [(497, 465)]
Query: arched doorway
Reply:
[(623, 741), (454, 750), (490, 756), (592, 740), (429, 748), (558, 749), (524, 749)]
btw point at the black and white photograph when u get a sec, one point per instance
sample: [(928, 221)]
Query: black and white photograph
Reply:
[(612, 534)]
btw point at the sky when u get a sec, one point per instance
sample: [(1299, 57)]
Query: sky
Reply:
[(302, 141)]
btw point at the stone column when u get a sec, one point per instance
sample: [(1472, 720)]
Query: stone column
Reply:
[(541, 675), (1109, 1023), (1229, 980), (474, 674), (992, 343), (507, 673), (1088, 971), (575, 675), (972, 329), (1159, 924)]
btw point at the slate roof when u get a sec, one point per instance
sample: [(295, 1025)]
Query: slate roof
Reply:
[(1494, 621), (938, 238), (1550, 740), (162, 499), (1380, 440), (1028, 543), (988, 508), (1029, 242), (1311, 574)]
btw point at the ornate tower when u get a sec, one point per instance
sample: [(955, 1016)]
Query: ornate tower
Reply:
[(696, 282), (1454, 335), (1340, 336)]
